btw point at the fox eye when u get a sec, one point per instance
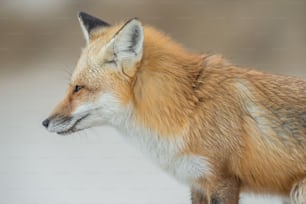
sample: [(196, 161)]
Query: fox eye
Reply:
[(77, 88)]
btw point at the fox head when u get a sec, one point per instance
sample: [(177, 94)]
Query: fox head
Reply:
[(101, 82)]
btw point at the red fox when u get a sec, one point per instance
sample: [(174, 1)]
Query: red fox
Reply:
[(216, 127)]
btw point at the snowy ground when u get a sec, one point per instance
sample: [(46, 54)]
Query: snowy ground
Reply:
[(96, 166)]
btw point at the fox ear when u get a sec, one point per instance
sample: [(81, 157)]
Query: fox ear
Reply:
[(127, 43), (89, 23)]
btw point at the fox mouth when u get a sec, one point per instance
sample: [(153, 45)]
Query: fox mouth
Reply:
[(73, 128)]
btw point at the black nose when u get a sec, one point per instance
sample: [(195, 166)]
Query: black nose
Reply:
[(46, 123)]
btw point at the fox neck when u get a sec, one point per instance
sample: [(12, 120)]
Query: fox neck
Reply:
[(163, 96), (167, 152), (154, 145)]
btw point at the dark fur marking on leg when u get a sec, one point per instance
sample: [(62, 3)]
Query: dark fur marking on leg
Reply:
[(215, 200)]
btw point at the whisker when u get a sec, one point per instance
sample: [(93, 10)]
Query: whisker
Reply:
[(82, 137), (63, 67), (86, 136)]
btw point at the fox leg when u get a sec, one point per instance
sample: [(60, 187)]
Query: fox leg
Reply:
[(298, 192), (226, 191), (198, 197)]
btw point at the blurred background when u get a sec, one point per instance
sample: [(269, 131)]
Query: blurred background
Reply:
[(40, 42)]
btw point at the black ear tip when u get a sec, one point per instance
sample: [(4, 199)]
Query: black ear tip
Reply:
[(91, 21), (82, 14)]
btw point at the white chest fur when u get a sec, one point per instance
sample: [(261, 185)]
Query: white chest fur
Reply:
[(167, 153)]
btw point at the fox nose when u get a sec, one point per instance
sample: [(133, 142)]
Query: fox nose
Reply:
[(46, 123)]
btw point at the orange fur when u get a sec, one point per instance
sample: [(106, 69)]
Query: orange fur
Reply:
[(251, 126), (211, 100)]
